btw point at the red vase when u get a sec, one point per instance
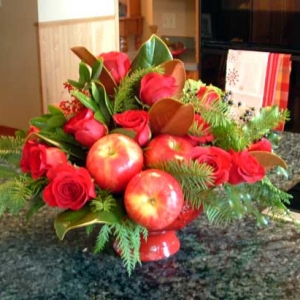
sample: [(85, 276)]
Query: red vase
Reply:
[(164, 243), (159, 245)]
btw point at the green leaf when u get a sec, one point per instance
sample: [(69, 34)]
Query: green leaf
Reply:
[(99, 117), (128, 132), (56, 121), (39, 122), (69, 148), (108, 103), (84, 73), (76, 84), (97, 69), (152, 53), (36, 203), (100, 96), (68, 220), (85, 100), (54, 110)]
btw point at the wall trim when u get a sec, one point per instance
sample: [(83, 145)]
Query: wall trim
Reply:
[(73, 21)]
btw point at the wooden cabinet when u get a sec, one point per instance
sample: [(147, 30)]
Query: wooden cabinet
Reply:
[(184, 27), (130, 23), (273, 21)]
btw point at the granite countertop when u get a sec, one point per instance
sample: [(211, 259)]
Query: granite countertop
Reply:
[(240, 261)]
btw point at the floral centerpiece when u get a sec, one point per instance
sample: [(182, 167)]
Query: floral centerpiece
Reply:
[(138, 148)]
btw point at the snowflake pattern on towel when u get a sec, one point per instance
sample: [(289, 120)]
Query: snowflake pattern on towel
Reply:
[(232, 77)]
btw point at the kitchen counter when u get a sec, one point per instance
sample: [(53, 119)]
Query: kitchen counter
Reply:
[(240, 261)]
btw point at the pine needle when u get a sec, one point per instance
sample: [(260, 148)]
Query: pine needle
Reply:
[(125, 95)]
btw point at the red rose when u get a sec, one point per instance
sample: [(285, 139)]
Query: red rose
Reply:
[(208, 93), (156, 86), (262, 145), (215, 157), (69, 187), (117, 63), (137, 120), (86, 129), (37, 158), (245, 168), (205, 137)]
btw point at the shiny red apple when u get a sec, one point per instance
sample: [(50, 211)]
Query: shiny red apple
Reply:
[(113, 160), (166, 147), (153, 198)]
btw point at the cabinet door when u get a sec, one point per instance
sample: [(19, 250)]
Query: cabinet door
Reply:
[(273, 21), (261, 19)]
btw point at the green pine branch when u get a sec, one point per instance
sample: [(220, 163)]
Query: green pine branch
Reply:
[(251, 199), (16, 192), (128, 238), (219, 212), (194, 179), (11, 150), (266, 118), (125, 98), (103, 202)]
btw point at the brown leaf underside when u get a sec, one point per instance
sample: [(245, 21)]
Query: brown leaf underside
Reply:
[(171, 116)]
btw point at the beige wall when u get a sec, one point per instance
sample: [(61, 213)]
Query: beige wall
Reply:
[(19, 70), (23, 76), (184, 11)]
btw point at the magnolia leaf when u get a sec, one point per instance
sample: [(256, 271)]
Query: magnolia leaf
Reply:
[(85, 100), (105, 77), (151, 53), (84, 73), (176, 69), (54, 110), (171, 116), (69, 219), (269, 160), (84, 55), (181, 121)]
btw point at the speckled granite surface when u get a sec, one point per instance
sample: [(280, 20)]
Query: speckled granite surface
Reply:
[(237, 262)]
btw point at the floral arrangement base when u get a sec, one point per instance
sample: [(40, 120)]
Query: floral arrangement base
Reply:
[(158, 245), (161, 244)]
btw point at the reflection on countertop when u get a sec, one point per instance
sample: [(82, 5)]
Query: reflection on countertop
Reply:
[(240, 261)]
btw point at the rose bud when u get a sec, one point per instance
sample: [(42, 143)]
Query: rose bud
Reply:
[(215, 157), (86, 129), (117, 64), (156, 86), (262, 145), (245, 168), (137, 120), (37, 158)]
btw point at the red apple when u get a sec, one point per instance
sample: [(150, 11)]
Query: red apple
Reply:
[(113, 160), (166, 147), (153, 198)]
